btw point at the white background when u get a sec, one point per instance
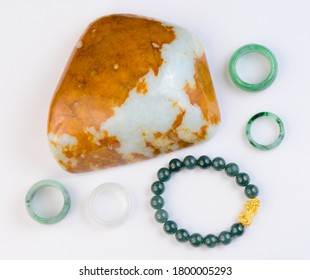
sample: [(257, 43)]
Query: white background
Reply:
[(37, 38)]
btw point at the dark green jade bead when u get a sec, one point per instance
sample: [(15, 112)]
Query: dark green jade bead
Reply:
[(237, 229), (170, 227), (163, 174), (182, 235), (189, 162), (157, 202), (251, 191), (211, 240), (225, 237), (232, 169), (218, 163), (158, 187), (196, 240), (161, 216), (175, 165), (243, 179), (204, 162)]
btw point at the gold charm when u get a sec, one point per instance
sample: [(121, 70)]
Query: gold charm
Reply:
[(250, 210)]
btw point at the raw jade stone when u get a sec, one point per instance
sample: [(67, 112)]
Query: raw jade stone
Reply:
[(133, 88)]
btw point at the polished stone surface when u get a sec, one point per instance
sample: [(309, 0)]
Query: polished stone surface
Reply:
[(133, 88)]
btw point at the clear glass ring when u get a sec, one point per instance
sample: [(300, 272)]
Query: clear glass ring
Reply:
[(123, 201)]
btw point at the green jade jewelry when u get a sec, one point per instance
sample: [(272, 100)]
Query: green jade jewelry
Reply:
[(257, 49), (271, 146), (204, 162), (43, 184)]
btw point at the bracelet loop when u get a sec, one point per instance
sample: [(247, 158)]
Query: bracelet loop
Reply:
[(258, 86), (204, 162)]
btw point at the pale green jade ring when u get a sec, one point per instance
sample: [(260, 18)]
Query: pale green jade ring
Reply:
[(43, 184), (271, 146), (253, 48)]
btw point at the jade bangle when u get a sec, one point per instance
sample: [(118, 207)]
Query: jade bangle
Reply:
[(260, 146), (43, 184), (257, 49)]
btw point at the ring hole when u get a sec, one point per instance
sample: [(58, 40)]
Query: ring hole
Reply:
[(109, 205), (265, 130), (47, 202), (253, 67)]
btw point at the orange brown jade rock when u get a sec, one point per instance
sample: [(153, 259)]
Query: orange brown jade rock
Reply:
[(133, 88)]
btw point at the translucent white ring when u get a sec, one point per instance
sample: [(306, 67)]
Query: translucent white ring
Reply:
[(115, 189)]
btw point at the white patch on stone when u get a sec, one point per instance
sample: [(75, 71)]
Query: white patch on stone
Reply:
[(136, 121), (155, 45), (63, 140), (79, 44), (60, 143), (97, 135)]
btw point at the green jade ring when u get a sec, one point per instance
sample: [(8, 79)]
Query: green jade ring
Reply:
[(204, 162), (271, 146), (256, 49), (43, 184)]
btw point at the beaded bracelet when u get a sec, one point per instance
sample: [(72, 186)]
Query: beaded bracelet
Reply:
[(204, 162)]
